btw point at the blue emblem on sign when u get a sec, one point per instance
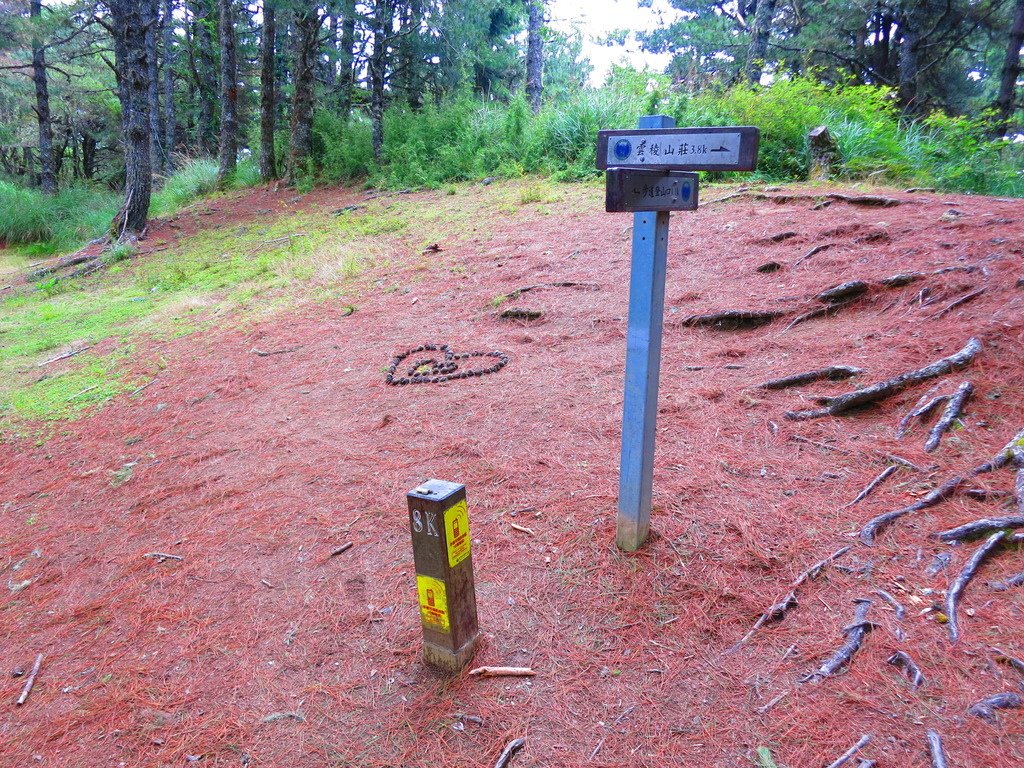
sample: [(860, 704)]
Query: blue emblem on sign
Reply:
[(686, 190), (623, 148)]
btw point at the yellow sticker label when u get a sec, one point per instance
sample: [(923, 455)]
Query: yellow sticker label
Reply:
[(456, 531), (433, 602)]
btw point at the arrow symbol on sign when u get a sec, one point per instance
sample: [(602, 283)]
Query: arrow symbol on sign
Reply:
[(721, 149)]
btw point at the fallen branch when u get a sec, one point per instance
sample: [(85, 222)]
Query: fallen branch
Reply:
[(161, 556), (342, 549), (502, 672), (843, 655), (522, 528), (65, 356), (881, 478), (777, 612), (563, 284), (835, 406), (733, 319), (984, 525), (832, 373), (985, 709), (897, 606), (813, 252), (956, 589), (899, 460), (848, 754), (901, 660), (71, 261), (31, 681), (935, 750), (957, 303), (285, 351), (818, 444), (509, 752), (951, 414)]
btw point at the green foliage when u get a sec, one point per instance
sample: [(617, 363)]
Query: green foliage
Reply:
[(195, 179), (27, 216)]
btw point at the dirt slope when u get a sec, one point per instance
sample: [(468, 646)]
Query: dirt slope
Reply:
[(253, 468)]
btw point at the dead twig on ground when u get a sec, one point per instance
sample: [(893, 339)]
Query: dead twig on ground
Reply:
[(818, 444), (65, 356), (342, 549), (502, 672), (954, 406), (733, 319), (31, 681), (1017, 580), (832, 373), (835, 406), (273, 717), (897, 606), (161, 556), (843, 655), (284, 351), (881, 478), (956, 589), (957, 303)]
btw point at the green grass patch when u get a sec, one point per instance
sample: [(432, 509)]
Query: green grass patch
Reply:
[(93, 381)]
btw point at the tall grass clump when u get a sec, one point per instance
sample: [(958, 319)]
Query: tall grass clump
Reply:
[(52, 223), (195, 179)]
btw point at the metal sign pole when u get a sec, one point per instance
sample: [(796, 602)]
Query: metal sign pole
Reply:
[(643, 363)]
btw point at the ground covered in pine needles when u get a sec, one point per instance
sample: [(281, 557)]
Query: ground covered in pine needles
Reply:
[(253, 448)]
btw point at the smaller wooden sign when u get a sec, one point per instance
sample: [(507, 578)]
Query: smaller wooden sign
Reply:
[(629, 189)]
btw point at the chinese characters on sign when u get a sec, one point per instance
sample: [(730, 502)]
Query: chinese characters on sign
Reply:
[(636, 189), (684, 149)]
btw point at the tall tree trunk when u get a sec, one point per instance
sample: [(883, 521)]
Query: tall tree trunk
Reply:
[(88, 155), (153, 94), (407, 69), (268, 158), (909, 61), (345, 57), (307, 28), (48, 176), (129, 21), (170, 116), (1005, 100), (535, 55), (206, 77), (382, 21), (228, 152), (758, 50)]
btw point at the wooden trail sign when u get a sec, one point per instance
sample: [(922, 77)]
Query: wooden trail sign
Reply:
[(681, 149), (646, 176)]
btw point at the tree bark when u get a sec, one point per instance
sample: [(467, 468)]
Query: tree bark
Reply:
[(345, 57), (382, 21), (170, 116), (48, 176), (205, 77), (129, 21), (1005, 100), (153, 91), (268, 158), (535, 55), (758, 49), (227, 156), (909, 61), (307, 28)]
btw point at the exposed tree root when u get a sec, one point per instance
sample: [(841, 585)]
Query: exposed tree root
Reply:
[(901, 660), (957, 303), (832, 373), (844, 758), (843, 292), (884, 389), (985, 709), (843, 655), (813, 252), (733, 319), (935, 750), (924, 406), (943, 492), (1017, 580), (902, 279), (897, 606), (777, 612), (563, 284), (954, 406), (958, 586), (977, 527), (509, 752), (881, 478)]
